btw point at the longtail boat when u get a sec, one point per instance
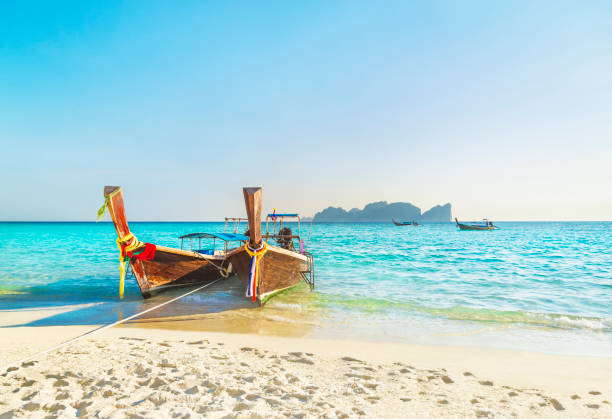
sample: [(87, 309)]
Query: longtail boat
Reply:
[(406, 223), (265, 268), (158, 267), (486, 225)]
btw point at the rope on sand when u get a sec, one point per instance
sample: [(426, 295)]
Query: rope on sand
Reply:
[(99, 329)]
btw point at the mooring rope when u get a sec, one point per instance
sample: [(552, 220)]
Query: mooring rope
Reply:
[(99, 329), (225, 272)]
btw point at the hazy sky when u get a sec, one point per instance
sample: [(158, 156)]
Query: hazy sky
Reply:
[(503, 109)]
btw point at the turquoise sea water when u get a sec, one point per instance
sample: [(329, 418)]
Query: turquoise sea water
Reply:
[(538, 286)]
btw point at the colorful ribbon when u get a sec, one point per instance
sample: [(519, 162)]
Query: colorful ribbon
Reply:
[(128, 246), (107, 198), (256, 255), (125, 244)]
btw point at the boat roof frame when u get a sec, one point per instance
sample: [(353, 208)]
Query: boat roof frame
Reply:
[(286, 215), (226, 237)]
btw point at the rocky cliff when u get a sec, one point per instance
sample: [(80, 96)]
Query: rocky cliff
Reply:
[(384, 212)]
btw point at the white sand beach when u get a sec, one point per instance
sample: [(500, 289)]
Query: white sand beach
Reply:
[(142, 371)]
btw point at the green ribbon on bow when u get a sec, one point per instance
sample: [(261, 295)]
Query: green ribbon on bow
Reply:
[(102, 209)]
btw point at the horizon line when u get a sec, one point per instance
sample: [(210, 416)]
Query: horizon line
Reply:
[(303, 219)]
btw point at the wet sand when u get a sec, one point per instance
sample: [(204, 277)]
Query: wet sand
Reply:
[(180, 370)]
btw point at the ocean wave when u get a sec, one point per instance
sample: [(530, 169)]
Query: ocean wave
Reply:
[(463, 313), (287, 306), (11, 292), (577, 322)]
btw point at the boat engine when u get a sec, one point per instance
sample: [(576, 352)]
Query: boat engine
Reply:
[(284, 238)]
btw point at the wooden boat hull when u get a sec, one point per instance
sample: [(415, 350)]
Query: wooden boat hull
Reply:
[(411, 224), (406, 224), (174, 267), (475, 228), (169, 267), (279, 270)]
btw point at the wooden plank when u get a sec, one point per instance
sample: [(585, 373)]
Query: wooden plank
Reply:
[(169, 268), (252, 202), (116, 210), (191, 253)]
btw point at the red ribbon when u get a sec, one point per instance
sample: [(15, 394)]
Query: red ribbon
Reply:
[(147, 253)]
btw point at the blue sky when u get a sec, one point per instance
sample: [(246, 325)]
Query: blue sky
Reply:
[(501, 108)]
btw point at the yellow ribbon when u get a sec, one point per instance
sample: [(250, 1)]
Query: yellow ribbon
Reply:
[(134, 244), (262, 250)]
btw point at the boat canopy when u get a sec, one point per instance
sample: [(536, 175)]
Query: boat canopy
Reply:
[(228, 237), (282, 215)]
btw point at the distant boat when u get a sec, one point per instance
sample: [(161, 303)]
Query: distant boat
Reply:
[(485, 225), (406, 223)]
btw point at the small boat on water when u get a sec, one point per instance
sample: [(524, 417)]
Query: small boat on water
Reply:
[(406, 223), (485, 225), (265, 268)]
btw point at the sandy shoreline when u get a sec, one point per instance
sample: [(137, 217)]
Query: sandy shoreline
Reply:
[(150, 372)]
